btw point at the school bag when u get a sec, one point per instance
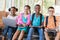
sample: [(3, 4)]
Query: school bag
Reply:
[(40, 18)]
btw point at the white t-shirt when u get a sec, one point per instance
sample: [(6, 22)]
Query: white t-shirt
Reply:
[(11, 17)]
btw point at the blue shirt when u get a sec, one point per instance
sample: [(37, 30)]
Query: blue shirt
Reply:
[(24, 19), (36, 20)]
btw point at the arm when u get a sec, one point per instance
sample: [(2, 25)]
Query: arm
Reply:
[(19, 19), (57, 22)]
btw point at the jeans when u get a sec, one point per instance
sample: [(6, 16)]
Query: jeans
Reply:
[(8, 31), (40, 31)]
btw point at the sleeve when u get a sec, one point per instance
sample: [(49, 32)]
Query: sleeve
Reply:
[(28, 22), (19, 19), (57, 21), (8, 16)]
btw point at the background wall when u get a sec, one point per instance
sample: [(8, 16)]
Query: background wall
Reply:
[(5, 4)]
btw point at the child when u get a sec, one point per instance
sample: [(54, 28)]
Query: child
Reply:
[(50, 23), (9, 29), (37, 20), (23, 23)]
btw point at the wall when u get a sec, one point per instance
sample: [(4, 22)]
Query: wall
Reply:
[(2, 13)]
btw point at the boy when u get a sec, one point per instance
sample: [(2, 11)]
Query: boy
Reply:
[(36, 23), (50, 23)]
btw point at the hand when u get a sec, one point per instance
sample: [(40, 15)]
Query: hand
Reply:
[(24, 25), (30, 25), (17, 24), (40, 26)]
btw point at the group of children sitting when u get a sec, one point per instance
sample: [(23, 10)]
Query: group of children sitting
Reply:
[(25, 22)]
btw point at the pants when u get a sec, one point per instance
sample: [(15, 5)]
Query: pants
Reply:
[(40, 31), (8, 31)]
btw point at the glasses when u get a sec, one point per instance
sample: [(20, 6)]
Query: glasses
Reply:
[(50, 11)]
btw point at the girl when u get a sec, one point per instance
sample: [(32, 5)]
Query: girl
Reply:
[(23, 22), (9, 29)]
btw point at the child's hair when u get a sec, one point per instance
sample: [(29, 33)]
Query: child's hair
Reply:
[(14, 8), (27, 6), (51, 7), (37, 5)]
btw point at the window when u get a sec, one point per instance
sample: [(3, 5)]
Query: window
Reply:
[(20, 4), (46, 4), (1, 5), (8, 4)]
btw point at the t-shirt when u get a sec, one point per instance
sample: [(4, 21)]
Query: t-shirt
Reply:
[(36, 20), (51, 24), (11, 17)]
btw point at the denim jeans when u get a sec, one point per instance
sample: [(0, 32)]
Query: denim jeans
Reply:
[(40, 31), (8, 31)]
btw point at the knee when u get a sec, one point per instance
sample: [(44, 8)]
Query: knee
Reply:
[(45, 33), (41, 30), (4, 32), (9, 33), (20, 38), (13, 38), (58, 34), (31, 29)]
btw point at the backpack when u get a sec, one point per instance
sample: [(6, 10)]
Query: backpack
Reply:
[(47, 20), (40, 18)]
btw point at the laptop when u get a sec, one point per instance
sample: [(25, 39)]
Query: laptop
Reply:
[(9, 22)]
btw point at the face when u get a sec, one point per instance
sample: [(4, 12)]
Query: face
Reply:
[(26, 9), (37, 9), (13, 10), (29, 11), (51, 11)]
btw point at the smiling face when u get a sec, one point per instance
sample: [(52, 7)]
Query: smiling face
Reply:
[(27, 9), (13, 10), (37, 8), (51, 11)]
